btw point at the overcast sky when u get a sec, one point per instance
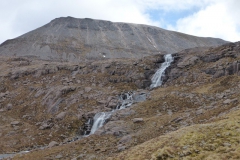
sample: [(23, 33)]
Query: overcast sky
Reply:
[(206, 18)]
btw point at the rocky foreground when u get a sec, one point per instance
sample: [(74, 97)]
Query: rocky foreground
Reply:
[(194, 115)]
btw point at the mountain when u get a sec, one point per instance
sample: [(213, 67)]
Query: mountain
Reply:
[(72, 39), (107, 108)]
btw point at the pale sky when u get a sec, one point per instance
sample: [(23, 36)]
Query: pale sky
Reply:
[(205, 18)]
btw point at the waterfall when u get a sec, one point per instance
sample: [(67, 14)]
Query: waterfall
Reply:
[(125, 100), (157, 77), (99, 120)]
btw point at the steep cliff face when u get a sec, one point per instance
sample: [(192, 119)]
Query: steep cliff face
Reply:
[(71, 39)]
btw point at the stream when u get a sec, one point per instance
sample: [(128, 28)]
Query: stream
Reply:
[(126, 99)]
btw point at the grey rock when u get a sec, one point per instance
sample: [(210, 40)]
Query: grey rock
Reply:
[(228, 101), (121, 148), (227, 144), (200, 111), (112, 105), (14, 123), (219, 73), (169, 112), (46, 125), (139, 97), (125, 139), (137, 120), (52, 144), (9, 106), (61, 115), (58, 156), (87, 89)]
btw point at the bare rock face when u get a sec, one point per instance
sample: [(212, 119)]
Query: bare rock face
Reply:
[(72, 39)]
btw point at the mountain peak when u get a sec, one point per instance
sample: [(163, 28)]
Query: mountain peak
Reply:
[(73, 39)]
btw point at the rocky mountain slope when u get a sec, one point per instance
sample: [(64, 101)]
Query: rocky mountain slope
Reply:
[(194, 115), (71, 39)]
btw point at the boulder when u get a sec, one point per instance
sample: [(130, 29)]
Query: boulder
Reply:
[(9, 106), (61, 115), (87, 89), (200, 111), (52, 144), (14, 123), (137, 120), (45, 125), (228, 101), (125, 139)]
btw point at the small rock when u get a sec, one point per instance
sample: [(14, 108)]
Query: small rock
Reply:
[(125, 139), (170, 112), (88, 89), (200, 111), (227, 101), (59, 156), (61, 115), (227, 144), (14, 123), (9, 106), (102, 102), (52, 144), (46, 126), (121, 148), (137, 120)]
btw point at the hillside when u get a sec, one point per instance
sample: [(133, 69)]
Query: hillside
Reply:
[(193, 115), (72, 39)]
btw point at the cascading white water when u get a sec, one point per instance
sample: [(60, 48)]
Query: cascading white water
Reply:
[(126, 101), (100, 118), (157, 77)]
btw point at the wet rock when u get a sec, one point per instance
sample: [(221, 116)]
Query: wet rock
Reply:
[(52, 144), (146, 83), (137, 120), (139, 97)]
